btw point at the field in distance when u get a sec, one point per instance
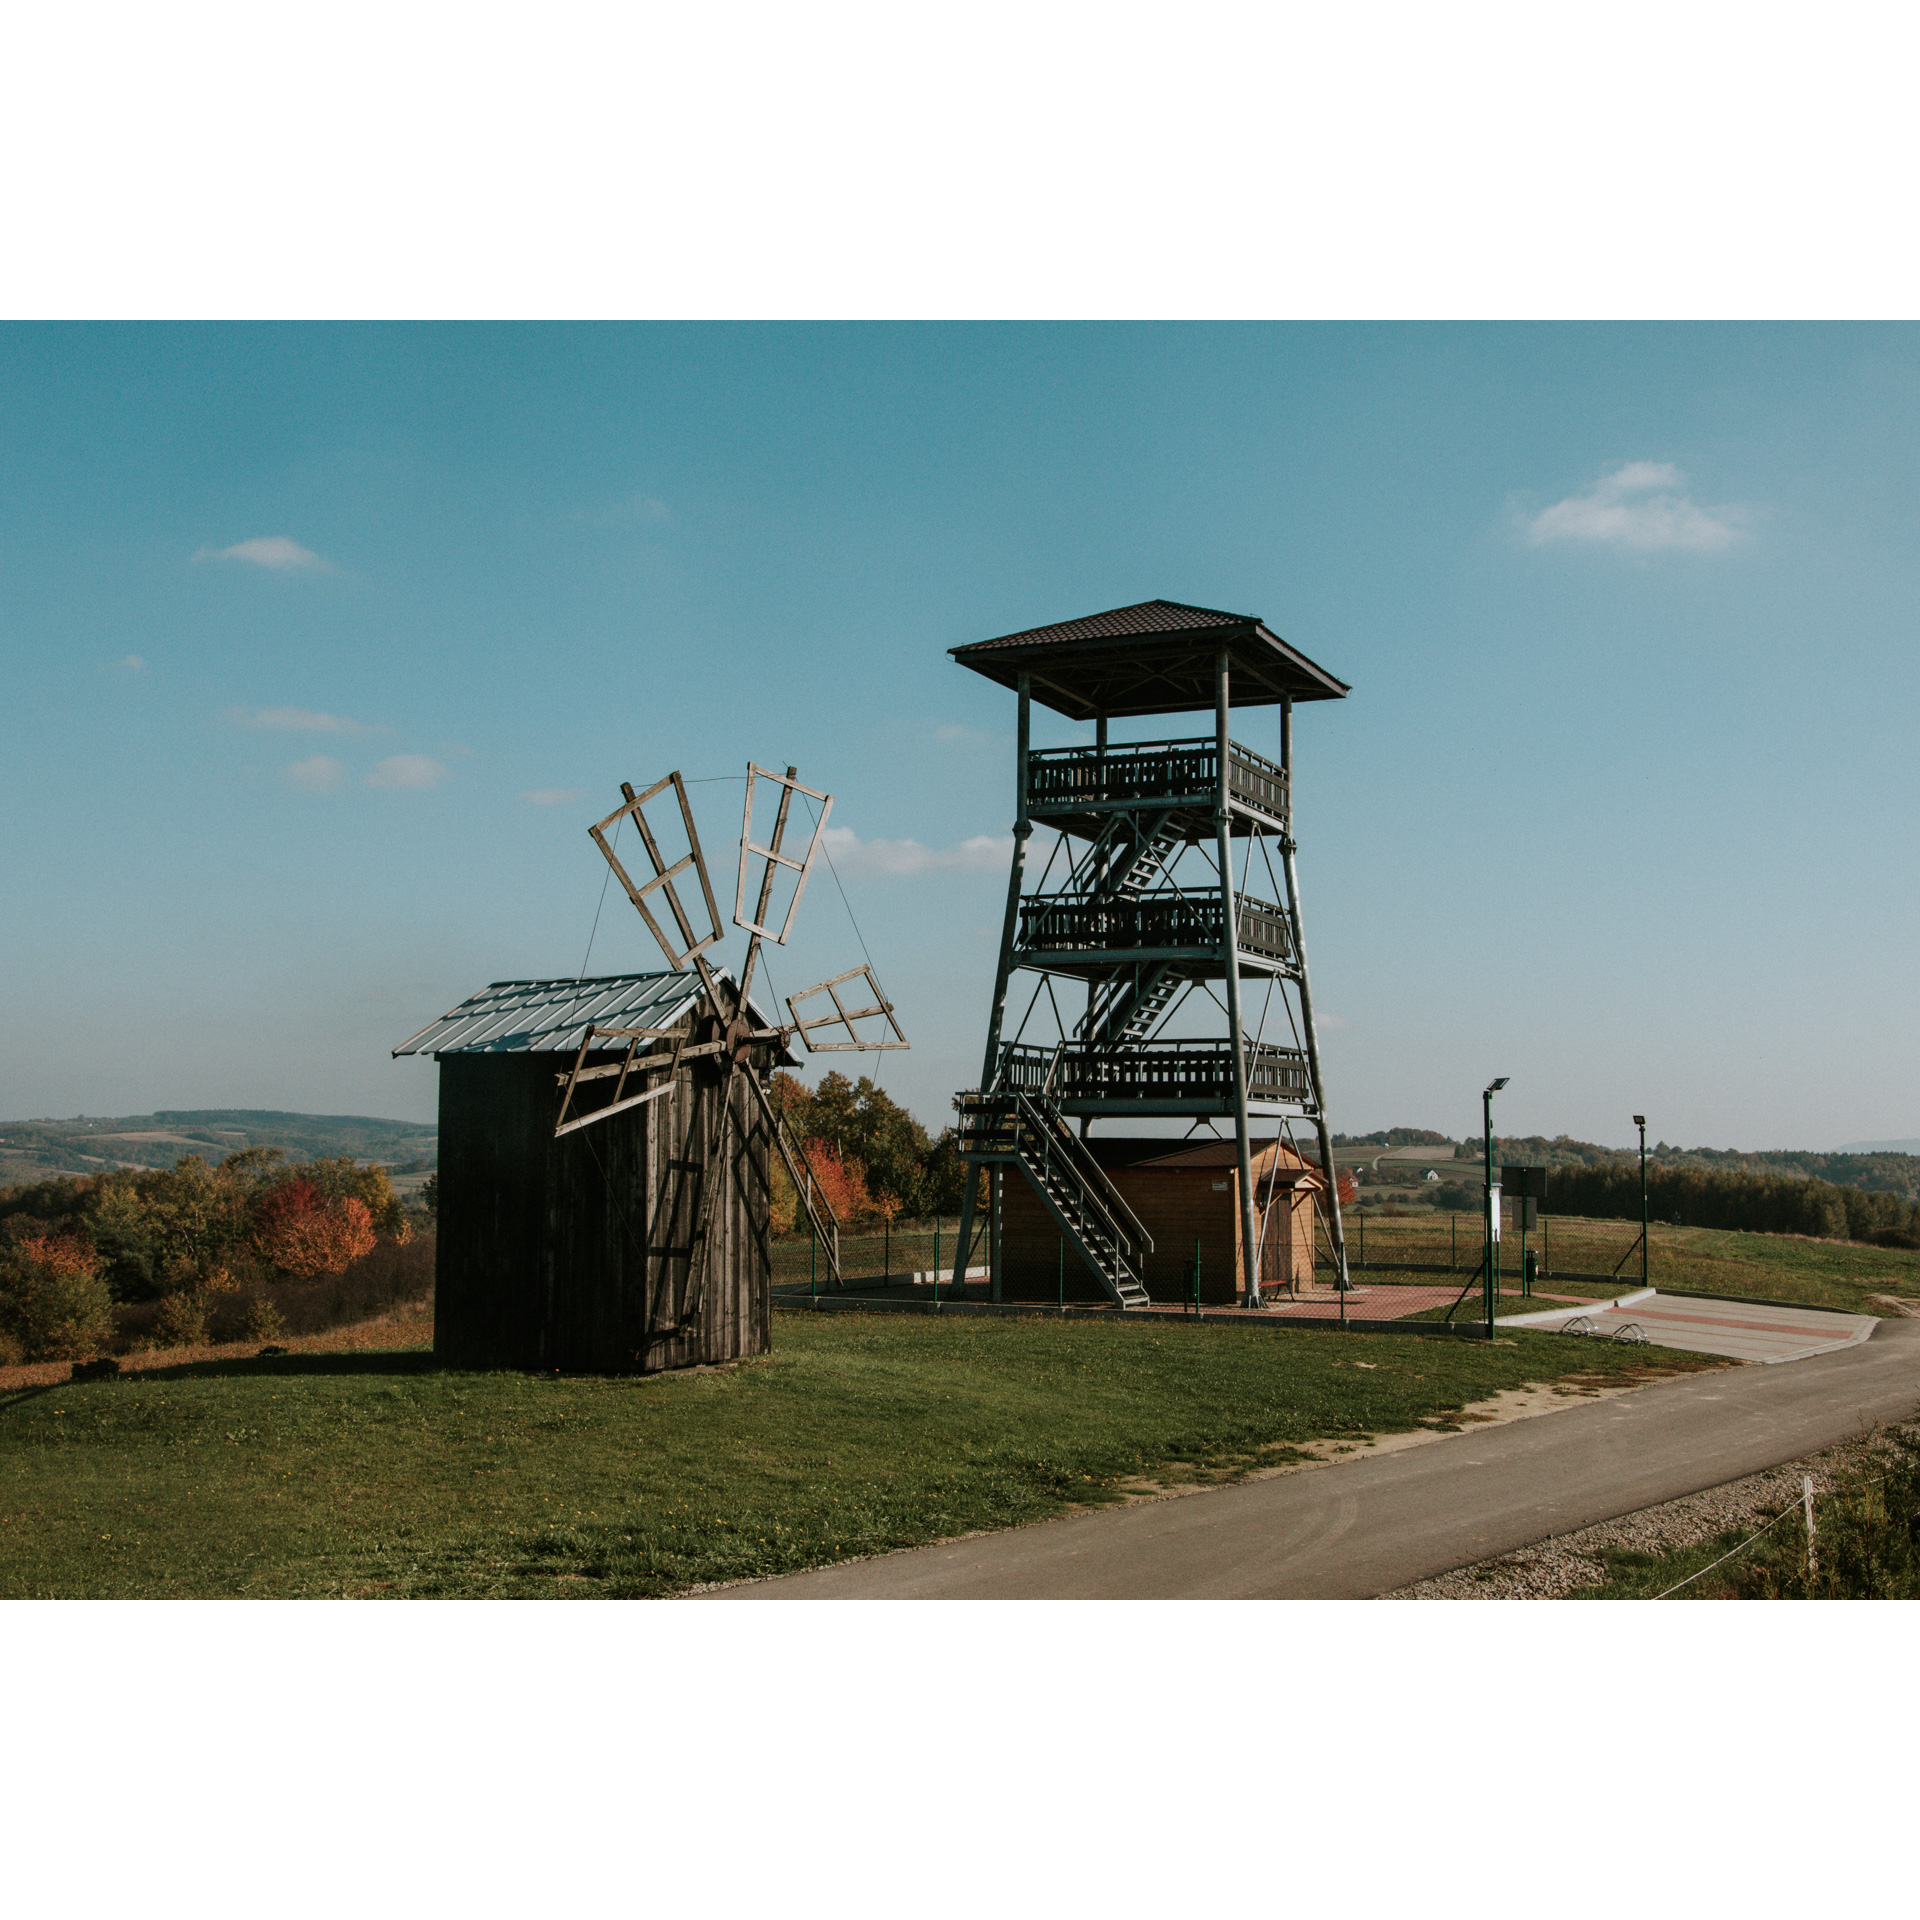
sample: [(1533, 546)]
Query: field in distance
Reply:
[(33, 1149)]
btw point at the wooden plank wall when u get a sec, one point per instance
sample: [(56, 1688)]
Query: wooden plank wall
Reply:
[(1178, 1206), (575, 1254)]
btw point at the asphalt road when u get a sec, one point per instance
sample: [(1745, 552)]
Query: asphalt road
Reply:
[(1368, 1525)]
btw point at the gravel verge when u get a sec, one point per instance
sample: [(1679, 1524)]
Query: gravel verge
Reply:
[(1557, 1567)]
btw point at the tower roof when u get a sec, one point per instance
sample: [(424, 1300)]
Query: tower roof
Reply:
[(1154, 657)]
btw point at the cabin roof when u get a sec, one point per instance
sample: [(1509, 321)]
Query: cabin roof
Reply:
[(1117, 1151), (1156, 656), (552, 1016)]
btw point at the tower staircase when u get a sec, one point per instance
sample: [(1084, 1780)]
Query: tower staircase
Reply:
[(1029, 1130)]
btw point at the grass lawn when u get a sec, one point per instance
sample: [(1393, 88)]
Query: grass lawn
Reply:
[(1766, 1266), (374, 1473)]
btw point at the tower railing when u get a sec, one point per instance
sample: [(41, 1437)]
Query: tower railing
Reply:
[(1160, 1070), (1163, 923), (1176, 772)]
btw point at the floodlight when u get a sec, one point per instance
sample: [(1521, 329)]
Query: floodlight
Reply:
[(1498, 1084), (1639, 1119)]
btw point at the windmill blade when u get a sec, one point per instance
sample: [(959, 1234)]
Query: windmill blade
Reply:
[(773, 855), (663, 874), (843, 1017)]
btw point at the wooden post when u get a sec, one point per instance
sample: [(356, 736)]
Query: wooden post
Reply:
[(1236, 1032), (993, 1244)]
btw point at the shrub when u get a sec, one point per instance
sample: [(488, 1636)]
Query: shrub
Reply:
[(181, 1321), (53, 1299), (391, 1274), (305, 1236)]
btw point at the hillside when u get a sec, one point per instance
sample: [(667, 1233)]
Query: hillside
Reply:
[(32, 1149), (1399, 1156)]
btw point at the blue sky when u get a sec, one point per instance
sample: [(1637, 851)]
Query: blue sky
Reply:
[(296, 619)]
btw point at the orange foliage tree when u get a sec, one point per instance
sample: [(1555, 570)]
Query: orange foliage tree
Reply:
[(842, 1182), (302, 1234)]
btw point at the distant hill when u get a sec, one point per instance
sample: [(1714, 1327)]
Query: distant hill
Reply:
[(1874, 1167), (32, 1149)]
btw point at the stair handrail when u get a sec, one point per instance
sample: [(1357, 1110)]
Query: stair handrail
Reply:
[(1092, 1176)]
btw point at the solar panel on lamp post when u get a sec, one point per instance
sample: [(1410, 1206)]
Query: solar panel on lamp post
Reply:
[(1490, 1266)]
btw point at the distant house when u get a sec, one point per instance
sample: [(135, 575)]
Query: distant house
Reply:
[(1431, 1175), (1187, 1196)]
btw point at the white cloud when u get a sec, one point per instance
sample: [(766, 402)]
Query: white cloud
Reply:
[(895, 859), (407, 770), (300, 720), (957, 733), (315, 774), (274, 551), (1639, 505), (551, 796), (133, 663)]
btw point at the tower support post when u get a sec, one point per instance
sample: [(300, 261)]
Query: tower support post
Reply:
[(1336, 1231), (1230, 900), (1003, 972)]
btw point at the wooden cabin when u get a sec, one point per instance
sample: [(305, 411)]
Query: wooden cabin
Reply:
[(1187, 1196), (609, 1249)]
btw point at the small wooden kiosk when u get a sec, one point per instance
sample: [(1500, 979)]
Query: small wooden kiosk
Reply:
[(1187, 1196), (634, 1246)]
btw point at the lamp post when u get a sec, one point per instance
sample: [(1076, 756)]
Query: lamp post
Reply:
[(1490, 1267), (1640, 1121)]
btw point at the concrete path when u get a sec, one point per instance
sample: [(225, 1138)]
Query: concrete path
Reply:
[(1738, 1329), (1368, 1525)]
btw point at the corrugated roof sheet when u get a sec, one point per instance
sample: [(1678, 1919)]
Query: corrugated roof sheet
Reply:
[(1146, 616), (551, 1016)]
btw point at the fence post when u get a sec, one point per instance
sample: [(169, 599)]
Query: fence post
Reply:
[(936, 1259), (1453, 1242), (1063, 1273)]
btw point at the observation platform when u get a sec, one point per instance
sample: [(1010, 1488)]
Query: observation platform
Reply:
[(1165, 1079), (1077, 790), (1087, 935)]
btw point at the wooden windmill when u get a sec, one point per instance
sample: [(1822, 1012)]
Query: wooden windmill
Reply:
[(729, 1034), (606, 1142)]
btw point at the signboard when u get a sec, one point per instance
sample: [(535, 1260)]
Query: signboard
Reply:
[(1493, 1216)]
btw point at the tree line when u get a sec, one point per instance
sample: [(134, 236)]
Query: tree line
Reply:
[(872, 1159), (203, 1243), (1728, 1199)]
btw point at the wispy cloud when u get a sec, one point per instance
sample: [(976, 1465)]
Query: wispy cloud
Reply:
[(300, 720), (407, 770), (957, 733), (132, 664), (1642, 506), (897, 859), (273, 551), (551, 796), (315, 774)]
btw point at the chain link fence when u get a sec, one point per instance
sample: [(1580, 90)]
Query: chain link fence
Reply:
[(896, 1251)]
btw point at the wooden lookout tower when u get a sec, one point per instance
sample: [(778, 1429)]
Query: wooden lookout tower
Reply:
[(1162, 937)]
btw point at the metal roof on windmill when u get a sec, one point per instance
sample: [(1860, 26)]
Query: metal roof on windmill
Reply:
[(1162, 937), (606, 1142)]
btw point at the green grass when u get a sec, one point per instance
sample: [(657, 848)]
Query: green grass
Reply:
[(1765, 1266), (379, 1474)]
